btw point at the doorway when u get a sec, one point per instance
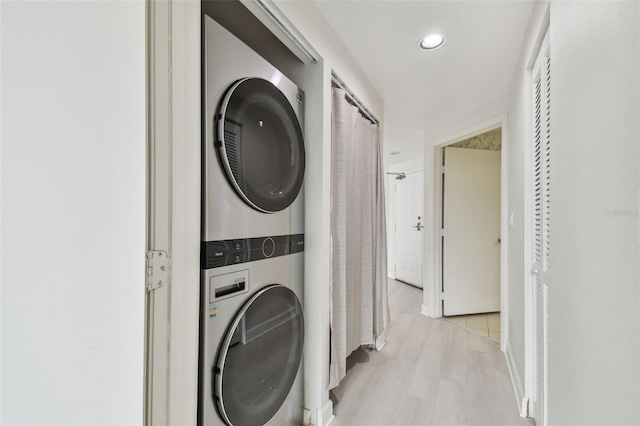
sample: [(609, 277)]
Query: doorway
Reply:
[(470, 237), (409, 188)]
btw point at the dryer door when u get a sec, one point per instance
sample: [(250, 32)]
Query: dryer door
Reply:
[(260, 357), (261, 144)]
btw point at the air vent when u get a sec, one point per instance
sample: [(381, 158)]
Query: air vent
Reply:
[(232, 138)]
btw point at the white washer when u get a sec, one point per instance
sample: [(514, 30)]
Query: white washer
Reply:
[(252, 324)]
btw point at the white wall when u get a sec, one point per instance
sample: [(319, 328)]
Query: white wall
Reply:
[(73, 212), (408, 166), (439, 133), (594, 285), (308, 20)]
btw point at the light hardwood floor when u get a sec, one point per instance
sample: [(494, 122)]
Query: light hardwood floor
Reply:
[(429, 373)]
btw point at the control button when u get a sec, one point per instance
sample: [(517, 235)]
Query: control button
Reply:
[(216, 254), (297, 243), (268, 247), (237, 245)]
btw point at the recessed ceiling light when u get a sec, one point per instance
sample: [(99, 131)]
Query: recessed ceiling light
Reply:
[(432, 41), (394, 153)]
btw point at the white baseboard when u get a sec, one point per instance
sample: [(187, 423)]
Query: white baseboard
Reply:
[(518, 389), (380, 341), (425, 311), (326, 414)]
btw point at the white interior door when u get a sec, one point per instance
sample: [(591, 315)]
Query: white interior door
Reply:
[(541, 215), (409, 222), (471, 223)]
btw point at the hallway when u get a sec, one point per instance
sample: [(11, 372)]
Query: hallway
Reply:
[(430, 372)]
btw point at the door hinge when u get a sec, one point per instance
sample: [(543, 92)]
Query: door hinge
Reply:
[(442, 232), (157, 265), (444, 169), (442, 296)]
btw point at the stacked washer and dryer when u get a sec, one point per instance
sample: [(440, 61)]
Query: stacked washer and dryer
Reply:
[(252, 324)]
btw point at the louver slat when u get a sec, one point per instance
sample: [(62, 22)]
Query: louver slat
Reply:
[(547, 164), (537, 173)]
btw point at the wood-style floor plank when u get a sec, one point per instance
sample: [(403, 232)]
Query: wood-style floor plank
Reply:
[(355, 390), (424, 383), (430, 372), (481, 389), (454, 366), (451, 404), (415, 411)]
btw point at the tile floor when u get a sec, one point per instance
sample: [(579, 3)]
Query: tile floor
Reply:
[(484, 325)]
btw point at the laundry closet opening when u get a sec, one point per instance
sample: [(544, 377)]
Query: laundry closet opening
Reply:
[(253, 324)]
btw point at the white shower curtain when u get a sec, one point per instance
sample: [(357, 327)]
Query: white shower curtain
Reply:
[(359, 303)]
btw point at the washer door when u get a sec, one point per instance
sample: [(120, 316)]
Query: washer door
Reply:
[(261, 144), (260, 356)]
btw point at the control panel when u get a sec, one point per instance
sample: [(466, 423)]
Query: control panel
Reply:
[(216, 254)]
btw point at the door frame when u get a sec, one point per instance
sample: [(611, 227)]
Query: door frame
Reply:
[(499, 121), (173, 211)]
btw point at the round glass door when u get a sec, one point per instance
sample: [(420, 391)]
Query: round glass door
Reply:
[(261, 144), (260, 356)]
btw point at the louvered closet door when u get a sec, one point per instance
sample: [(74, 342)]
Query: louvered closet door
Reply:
[(541, 215)]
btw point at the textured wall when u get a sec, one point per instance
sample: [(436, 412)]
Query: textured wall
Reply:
[(489, 141)]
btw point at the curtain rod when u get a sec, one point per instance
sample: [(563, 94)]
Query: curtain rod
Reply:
[(354, 99)]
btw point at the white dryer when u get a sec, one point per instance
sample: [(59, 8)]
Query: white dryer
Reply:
[(252, 323)]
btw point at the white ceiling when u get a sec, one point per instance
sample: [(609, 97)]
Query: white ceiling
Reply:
[(420, 88)]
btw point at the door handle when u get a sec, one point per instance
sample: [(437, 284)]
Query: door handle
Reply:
[(534, 270), (418, 226)]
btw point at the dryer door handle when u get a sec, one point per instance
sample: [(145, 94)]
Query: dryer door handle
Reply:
[(230, 289)]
